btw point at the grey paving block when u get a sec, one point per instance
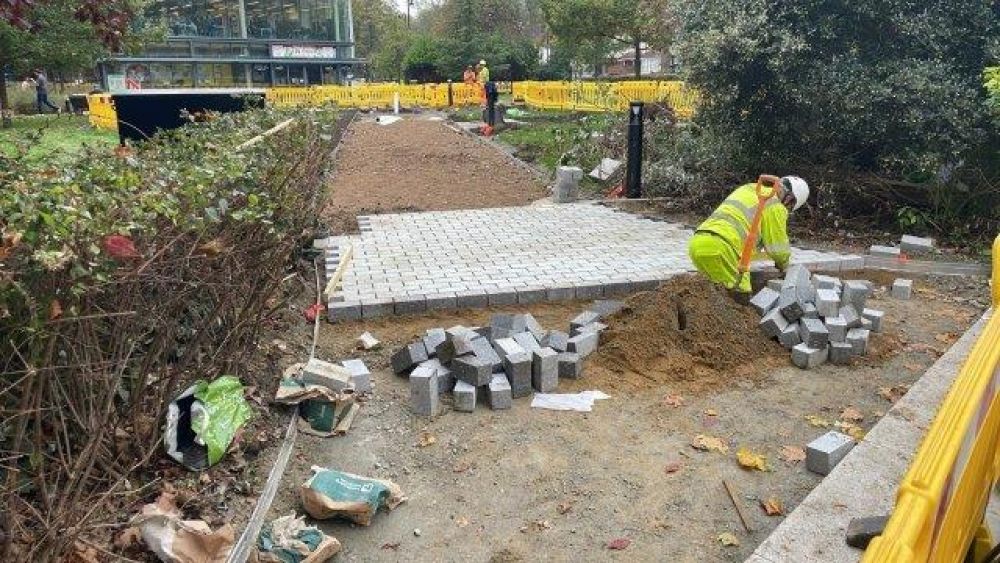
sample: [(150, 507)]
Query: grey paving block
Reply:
[(825, 452), (432, 338), (841, 353), (597, 327), (361, 378), (483, 350), (856, 292), (458, 342), (557, 340), (527, 341), (500, 393), (789, 305), (858, 339), (409, 305), (790, 335), (442, 301), (501, 296), (588, 290), (326, 374), (902, 289), (774, 285), (884, 251), (852, 262), (464, 396), (916, 245), (765, 300), (807, 358), (827, 302), (531, 294), (619, 288), (377, 309), (408, 356), (505, 325), (424, 391), (809, 311), (837, 327), (814, 333), (471, 299), (606, 307), (583, 344), (821, 281), (570, 365), (584, 318), (533, 326), (472, 370), (773, 323), (344, 311), (850, 316), (545, 370), (876, 317), (561, 293), (507, 346), (518, 368)]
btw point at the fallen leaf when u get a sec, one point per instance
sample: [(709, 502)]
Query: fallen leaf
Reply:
[(673, 400), (817, 421), (213, 247), (673, 467), (856, 432), (851, 414), (707, 443), (393, 546), (461, 521), (83, 553), (204, 479), (729, 540), (946, 337), (879, 414), (894, 393), (120, 247), (313, 311), (793, 454), (913, 367), (619, 543), (750, 460), (564, 506), (461, 467), (55, 310), (710, 412), (127, 538), (539, 525), (772, 507), (427, 439)]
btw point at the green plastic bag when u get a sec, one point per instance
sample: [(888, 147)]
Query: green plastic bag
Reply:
[(203, 420)]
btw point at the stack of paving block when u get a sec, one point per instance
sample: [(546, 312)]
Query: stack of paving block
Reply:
[(509, 359), (819, 318)]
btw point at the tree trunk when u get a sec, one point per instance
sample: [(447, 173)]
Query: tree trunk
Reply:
[(637, 44), (5, 120)]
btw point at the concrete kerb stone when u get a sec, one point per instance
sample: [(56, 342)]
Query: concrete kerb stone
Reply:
[(531, 294), (814, 333), (765, 300), (805, 357), (518, 368), (841, 353), (825, 452), (442, 301), (916, 245), (500, 393), (361, 377), (527, 341), (837, 327), (902, 289), (790, 336), (876, 317), (773, 323), (464, 396), (561, 293), (408, 357), (570, 365), (545, 370), (424, 391), (473, 370), (858, 339), (583, 319), (583, 344)]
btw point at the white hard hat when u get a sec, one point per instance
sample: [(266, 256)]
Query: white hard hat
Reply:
[(800, 189), (482, 62)]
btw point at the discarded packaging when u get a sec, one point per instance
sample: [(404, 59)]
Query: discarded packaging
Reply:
[(203, 420), (322, 411), (335, 494), (368, 342), (606, 169), (289, 540), (181, 541), (580, 402)]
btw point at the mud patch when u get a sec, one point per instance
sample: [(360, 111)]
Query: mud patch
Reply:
[(688, 330)]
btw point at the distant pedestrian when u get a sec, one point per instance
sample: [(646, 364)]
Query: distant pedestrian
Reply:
[(469, 76), (42, 92)]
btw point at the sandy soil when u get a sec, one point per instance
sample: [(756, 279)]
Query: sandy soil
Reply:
[(376, 172), (526, 484)]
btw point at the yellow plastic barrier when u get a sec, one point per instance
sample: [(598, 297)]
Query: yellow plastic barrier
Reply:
[(102, 112), (940, 504)]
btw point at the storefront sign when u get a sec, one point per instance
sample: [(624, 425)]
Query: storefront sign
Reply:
[(303, 52)]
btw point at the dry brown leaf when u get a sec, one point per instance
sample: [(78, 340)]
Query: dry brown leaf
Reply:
[(55, 310), (817, 421), (946, 337), (711, 412), (913, 367), (619, 544), (793, 454), (707, 443), (427, 439), (673, 467), (750, 460), (772, 506), (894, 393), (856, 432), (852, 414), (213, 247), (83, 553), (127, 538), (729, 540), (564, 506), (673, 400), (461, 521)]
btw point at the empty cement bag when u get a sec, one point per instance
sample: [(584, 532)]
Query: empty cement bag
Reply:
[(203, 420), (335, 494), (289, 540)]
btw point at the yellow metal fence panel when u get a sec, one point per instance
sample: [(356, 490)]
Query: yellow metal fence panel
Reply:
[(941, 501), (102, 112)]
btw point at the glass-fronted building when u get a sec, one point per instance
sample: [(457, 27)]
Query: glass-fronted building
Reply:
[(241, 43)]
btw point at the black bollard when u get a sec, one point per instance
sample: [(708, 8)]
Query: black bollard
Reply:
[(491, 111), (633, 167)]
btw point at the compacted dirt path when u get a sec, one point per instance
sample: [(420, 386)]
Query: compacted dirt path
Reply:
[(420, 164)]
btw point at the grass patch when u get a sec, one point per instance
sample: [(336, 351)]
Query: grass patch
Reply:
[(52, 138)]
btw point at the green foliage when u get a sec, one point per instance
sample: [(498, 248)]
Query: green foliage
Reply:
[(49, 140), (992, 81), (434, 59)]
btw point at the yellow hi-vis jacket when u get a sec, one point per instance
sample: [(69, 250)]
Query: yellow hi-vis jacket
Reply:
[(731, 222)]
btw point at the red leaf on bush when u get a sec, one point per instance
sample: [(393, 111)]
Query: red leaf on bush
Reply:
[(313, 311), (120, 247), (619, 543)]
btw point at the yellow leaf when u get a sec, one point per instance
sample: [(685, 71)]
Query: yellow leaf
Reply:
[(857, 433), (427, 439), (750, 460), (793, 454), (851, 414), (773, 507), (708, 443), (818, 421), (729, 540)]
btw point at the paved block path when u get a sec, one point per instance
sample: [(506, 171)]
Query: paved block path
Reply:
[(408, 263)]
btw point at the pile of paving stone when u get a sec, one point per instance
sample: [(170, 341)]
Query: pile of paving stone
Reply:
[(511, 358), (819, 318)]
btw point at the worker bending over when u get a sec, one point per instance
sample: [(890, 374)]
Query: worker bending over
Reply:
[(718, 243)]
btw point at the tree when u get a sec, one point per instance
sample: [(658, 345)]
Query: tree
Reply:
[(596, 25), (382, 38)]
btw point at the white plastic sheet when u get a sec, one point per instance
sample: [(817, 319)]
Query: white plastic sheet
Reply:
[(580, 402)]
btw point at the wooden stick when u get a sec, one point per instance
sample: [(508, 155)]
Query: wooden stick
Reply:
[(267, 133), (731, 489), (345, 259)]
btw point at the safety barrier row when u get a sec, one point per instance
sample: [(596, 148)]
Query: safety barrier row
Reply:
[(378, 96), (102, 112), (606, 96), (941, 502)]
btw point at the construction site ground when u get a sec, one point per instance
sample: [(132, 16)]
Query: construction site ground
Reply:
[(529, 484)]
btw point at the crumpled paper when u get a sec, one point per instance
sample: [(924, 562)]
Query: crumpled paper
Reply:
[(181, 541), (580, 402)]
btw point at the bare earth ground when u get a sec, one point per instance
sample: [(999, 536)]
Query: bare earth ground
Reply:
[(528, 484), (420, 165)]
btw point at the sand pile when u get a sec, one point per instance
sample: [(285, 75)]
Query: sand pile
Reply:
[(687, 330)]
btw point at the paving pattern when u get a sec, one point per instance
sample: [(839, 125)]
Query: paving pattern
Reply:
[(414, 262)]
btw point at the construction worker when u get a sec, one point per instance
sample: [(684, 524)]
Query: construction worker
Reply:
[(469, 76), (483, 73), (718, 242)]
